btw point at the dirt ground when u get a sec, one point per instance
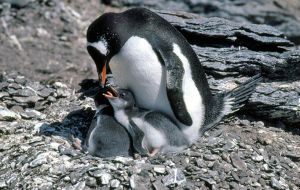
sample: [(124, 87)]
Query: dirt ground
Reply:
[(45, 41)]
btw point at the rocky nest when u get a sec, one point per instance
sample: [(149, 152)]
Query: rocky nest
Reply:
[(36, 149), (41, 114)]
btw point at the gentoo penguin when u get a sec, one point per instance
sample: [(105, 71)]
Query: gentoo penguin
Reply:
[(150, 57), (151, 131), (106, 137)]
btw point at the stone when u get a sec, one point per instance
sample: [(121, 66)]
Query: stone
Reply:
[(66, 151), (36, 86), (20, 80), (43, 127), (114, 183), (238, 162), (51, 99), (160, 169), (230, 145), (279, 184), (79, 186), (14, 86), (7, 115), (63, 93), (60, 85), (257, 158), (3, 94), (29, 100), (26, 92), (210, 157), (2, 184), (159, 186), (175, 176), (39, 160), (32, 114), (91, 182), (123, 160), (104, 177), (137, 182), (46, 92)]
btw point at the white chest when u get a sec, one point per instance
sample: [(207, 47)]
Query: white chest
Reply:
[(137, 67)]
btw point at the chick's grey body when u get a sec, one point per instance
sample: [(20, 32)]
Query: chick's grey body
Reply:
[(151, 131), (106, 137)]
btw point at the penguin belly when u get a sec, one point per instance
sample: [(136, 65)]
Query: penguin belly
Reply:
[(137, 68)]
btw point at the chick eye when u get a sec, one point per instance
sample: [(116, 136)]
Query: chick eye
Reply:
[(122, 95)]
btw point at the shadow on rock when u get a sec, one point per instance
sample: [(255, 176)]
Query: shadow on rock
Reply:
[(75, 124)]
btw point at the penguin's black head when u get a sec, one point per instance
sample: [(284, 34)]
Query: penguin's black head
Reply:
[(103, 42)]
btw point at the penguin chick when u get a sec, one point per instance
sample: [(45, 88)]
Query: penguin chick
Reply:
[(151, 132), (106, 137)]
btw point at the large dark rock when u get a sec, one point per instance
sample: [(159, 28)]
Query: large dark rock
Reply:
[(231, 52), (284, 15)]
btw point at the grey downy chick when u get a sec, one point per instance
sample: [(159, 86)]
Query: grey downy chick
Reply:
[(151, 132), (106, 137)]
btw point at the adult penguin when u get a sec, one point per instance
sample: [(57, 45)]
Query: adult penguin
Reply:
[(148, 56)]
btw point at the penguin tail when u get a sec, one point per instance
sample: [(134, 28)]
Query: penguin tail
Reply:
[(236, 98), (230, 102)]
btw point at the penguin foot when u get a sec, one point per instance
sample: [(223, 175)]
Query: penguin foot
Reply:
[(153, 152), (76, 142)]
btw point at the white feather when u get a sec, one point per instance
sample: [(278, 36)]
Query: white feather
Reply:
[(136, 67), (101, 46)]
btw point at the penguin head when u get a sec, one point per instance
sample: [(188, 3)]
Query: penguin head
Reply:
[(121, 99), (103, 42)]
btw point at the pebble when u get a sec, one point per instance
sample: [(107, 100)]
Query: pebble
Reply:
[(175, 176), (279, 184), (91, 182), (238, 162), (114, 183), (159, 186), (257, 158), (105, 178), (80, 186), (3, 94), (123, 160), (26, 92), (211, 157), (230, 145), (43, 127), (32, 114), (159, 169), (7, 115), (39, 160), (2, 184)]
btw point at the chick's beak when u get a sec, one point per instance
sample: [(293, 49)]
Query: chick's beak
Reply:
[(111, 93)]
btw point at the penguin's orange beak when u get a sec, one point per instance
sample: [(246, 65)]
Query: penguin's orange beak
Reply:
[(111, 93), (102, 75)]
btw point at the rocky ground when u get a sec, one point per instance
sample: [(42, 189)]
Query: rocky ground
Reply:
[(42, 110)]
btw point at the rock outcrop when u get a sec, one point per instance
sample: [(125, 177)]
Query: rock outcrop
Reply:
[(283, 15)]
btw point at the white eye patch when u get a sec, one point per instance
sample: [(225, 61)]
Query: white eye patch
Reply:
[(101, 46)]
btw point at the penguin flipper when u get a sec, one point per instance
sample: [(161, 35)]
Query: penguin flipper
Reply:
[(137, 136), (174, 77)]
